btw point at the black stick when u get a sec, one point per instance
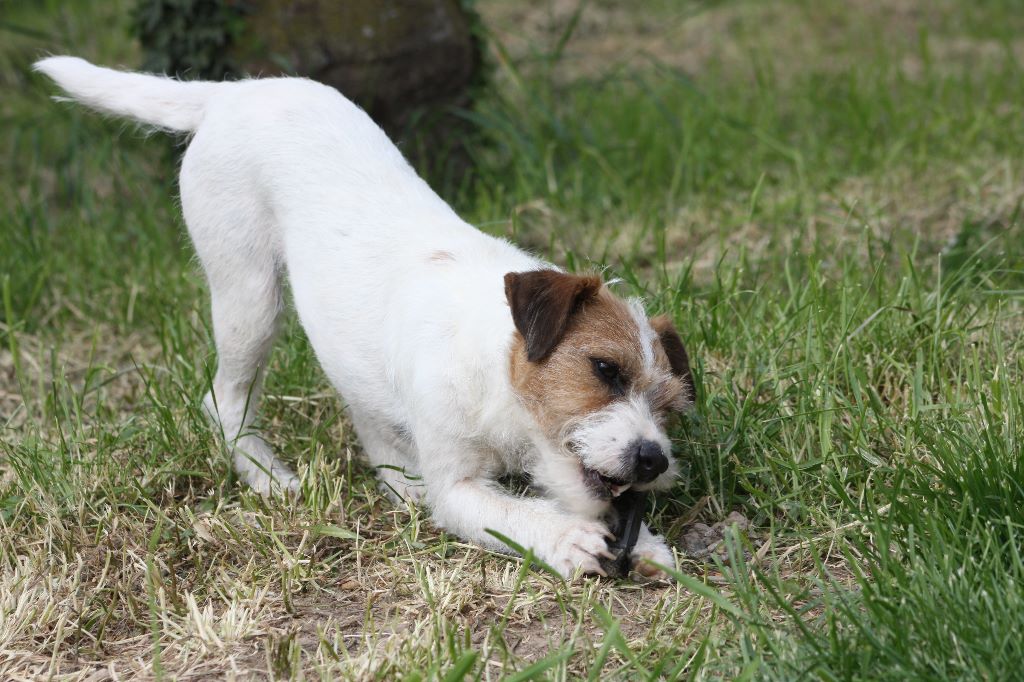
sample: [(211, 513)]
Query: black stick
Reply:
[(629, 507)]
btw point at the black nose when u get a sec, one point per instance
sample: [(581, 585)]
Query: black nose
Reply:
[(651, 461)]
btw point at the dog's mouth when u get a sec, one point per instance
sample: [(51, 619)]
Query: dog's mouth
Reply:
[(601, 486), (604, 487)]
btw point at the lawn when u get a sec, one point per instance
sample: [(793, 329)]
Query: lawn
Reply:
[(826, 196)]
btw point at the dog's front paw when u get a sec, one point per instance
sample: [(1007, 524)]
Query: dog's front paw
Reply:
[(579, 546), (651, 548)]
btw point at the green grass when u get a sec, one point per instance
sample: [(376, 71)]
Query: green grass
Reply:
[(826, 196)]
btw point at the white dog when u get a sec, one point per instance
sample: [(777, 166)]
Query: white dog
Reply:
[(460, 356)]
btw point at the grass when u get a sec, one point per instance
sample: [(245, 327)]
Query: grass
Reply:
[(826, 196)]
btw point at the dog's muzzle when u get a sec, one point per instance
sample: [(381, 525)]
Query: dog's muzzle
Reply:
[(644, 460), (648, 459)]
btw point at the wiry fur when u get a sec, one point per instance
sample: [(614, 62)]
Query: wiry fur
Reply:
[(408, 310)]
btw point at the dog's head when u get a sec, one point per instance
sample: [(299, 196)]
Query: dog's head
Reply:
[(599, 378)]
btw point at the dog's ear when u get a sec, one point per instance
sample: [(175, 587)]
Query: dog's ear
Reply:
[(543, 302), (678, 360)]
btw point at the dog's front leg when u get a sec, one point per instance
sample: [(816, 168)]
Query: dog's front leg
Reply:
[(470, 507)]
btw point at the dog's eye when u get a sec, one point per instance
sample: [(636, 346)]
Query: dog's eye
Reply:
[(607, 369), (608, 372)]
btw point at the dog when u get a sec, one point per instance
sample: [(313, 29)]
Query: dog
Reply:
[(461, 357)]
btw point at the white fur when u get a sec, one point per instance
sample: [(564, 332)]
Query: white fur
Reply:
[(598, 438), (402, 301)]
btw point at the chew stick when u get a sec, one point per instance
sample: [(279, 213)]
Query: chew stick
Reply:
[(630, 507)]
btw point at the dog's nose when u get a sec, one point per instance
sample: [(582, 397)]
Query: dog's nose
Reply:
[(651, 461)]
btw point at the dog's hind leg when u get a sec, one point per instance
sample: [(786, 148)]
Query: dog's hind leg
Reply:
[(235, 241), (245, 312), (245, 316)]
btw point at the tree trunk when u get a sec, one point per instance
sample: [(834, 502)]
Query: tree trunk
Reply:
[(392, 57)]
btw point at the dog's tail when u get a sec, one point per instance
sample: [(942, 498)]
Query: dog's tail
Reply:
[(157, 101)]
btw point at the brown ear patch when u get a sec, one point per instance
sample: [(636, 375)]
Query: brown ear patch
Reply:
[(678, 360), (543, 302)]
